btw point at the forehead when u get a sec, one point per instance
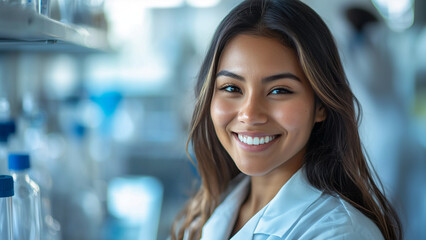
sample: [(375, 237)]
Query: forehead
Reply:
[(258, 54)]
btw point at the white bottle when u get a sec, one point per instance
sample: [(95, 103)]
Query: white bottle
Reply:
[(6, 193), (27, 201)]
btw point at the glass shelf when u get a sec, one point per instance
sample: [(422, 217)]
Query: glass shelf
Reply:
[(25, 30)]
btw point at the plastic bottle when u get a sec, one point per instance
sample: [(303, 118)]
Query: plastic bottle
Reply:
[(27, 201), (33, 139), (6, 193)]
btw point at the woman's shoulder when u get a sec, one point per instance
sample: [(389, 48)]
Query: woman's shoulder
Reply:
[(331, 217)]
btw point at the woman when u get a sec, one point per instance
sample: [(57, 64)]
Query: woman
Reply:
[(275, 135)]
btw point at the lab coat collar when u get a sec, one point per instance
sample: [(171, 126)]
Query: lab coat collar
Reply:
[(276, 218), (227, 211), (288, 205)]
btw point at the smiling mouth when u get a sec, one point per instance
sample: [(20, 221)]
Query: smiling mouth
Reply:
[(255, 141)]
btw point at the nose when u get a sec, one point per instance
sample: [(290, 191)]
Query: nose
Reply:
[(252, 111)]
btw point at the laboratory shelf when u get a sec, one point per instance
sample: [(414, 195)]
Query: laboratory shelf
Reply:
[(25, 30)]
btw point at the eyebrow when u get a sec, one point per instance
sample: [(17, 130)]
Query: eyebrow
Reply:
[(272, 78)]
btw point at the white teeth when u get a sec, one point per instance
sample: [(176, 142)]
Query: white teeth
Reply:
[(256, 140)]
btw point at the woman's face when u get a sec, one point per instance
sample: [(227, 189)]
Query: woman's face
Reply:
[(263, 106)]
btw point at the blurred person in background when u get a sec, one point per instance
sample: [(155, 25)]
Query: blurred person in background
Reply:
[(381, 66), (275, 135)]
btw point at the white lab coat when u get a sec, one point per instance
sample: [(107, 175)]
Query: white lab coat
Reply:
[(298, 211)]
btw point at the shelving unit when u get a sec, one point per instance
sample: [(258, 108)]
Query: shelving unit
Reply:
[(25, 30)]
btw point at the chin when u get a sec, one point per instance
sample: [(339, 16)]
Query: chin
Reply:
[(254, 171)]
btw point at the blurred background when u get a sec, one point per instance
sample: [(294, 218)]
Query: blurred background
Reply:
[(101, 94)]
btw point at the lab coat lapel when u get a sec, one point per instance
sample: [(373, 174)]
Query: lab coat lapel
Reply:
[(287, 206), (220, 223)]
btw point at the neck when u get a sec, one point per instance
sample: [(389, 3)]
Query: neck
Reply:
[(264, 188), (20, 174)]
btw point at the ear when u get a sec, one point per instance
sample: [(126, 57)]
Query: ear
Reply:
[(320, 113)]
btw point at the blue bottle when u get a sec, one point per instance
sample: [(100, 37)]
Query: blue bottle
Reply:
[(6, 193), (27, 201)]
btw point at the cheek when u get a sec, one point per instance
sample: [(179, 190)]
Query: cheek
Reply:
[(222, 112), (294, 116)]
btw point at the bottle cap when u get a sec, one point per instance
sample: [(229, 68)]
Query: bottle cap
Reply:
[(6, 129), (19, 161), (6, 186)]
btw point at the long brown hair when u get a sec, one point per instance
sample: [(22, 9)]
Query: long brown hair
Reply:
[(334, 162)]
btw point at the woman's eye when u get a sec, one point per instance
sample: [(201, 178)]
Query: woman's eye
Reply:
[(280, 91), (231, 89)]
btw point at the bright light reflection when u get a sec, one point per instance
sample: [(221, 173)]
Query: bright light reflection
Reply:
[(61, 75), (136, 202), (133, 77), (148, 3), (394, 7), (399, 14), (125, 17), (163, 3), (135, 199), (202, 3)]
